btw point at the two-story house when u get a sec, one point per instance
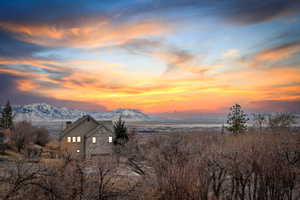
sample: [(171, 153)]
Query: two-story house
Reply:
[(87, 137)]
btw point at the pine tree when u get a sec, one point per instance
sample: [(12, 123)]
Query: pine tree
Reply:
[(120, 131), (237, 120), (7, 117)]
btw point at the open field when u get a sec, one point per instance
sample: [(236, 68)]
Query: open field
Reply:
[(145, 127)]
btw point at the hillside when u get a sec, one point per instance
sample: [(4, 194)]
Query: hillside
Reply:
[(46, 112)]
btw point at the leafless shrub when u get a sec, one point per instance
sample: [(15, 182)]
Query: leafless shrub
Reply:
[(281, 122), (17, 179), (40, 136), (24, 134), (19, 136), (251, 166), (260, 121)]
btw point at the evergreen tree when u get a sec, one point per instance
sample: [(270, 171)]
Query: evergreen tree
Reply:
[(120, 131), (237, 120), (7, 117)]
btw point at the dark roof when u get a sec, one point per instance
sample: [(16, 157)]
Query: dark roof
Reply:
[(77, 123), (81, 120)]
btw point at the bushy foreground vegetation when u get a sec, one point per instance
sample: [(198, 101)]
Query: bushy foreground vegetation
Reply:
[(257, 163), (21, 136), (243, 167), (251, 166), (25, 139)]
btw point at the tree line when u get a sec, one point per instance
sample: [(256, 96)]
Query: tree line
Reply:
[(237, 121)]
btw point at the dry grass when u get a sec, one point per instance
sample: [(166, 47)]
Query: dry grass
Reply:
[(10, 154)]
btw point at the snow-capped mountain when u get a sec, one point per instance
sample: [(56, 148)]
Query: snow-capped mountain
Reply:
[(46, 112)]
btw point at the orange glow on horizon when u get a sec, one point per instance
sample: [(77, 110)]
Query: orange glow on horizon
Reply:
[(144, 64), (160, 94)]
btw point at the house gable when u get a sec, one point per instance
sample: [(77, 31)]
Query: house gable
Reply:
[(87, 137), (80, 127)]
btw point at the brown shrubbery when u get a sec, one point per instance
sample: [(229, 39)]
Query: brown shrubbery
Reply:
[(176, 167), (24, 134), (251, 166), (69, 180)]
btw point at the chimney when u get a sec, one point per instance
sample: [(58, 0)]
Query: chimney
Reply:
[(68, 123)]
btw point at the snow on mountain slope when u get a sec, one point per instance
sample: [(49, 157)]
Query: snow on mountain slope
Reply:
[(46, 112)]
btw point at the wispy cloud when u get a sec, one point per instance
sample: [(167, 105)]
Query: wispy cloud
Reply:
[(102, 52), (276, 105), (256, 11), (116, 88), (231, 53), (177, 60), (278, 53), (97, 34)]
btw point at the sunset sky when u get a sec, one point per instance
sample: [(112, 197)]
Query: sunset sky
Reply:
[(169, 57)]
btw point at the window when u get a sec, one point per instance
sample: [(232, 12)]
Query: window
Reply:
[(110, 139), (73, 139), (94, 140), (78, 151), (69, 139), (78, 139)]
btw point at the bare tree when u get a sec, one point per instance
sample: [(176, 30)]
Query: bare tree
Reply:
[(281, 121), (17, 179), (259, 120), (24, 133), (40, 136), (21, 134)]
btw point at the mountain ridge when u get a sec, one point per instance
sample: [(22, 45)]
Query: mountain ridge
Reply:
[(47, 112)]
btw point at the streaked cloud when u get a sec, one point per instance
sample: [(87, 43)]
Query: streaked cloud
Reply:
[(84, 36), (256, 11), (231, 53), (276, 106), (116, 88), (279, 52), (157, 56)]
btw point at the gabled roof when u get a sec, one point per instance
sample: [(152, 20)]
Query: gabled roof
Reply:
[(100, 126), (76, 124), (82, 120)]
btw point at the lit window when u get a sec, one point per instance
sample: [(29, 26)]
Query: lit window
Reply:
[(110, 139), (78, 150), (69, 139), (94, 139), (73, 139), (78, 139)]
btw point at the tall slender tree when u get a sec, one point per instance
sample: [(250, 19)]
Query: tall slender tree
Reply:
[(120, 131), (237, 120), (7, 116)]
